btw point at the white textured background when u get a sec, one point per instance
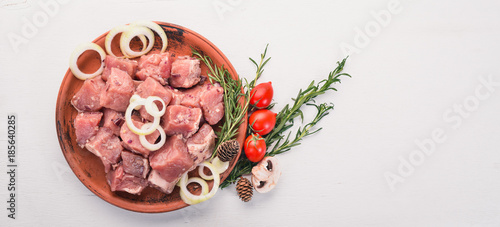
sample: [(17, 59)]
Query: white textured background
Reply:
[(411, 72)]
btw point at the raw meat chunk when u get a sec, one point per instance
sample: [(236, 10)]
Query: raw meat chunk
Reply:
[(113, 120), (137, 83), (131, 140), (86, 125), (155, 180), (176, 95), (151, 87), (212, 103), (181, 120), (156, 66), (88, 97), (106, 146), (185, 72), (172, 160), (127, 65), (119, 180), (191, 97), (135, 164), (119, 88), (201, 145)]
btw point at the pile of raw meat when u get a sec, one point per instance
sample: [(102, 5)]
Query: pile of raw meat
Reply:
[(193, 107)]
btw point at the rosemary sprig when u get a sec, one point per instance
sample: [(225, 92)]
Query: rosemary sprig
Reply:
[(322, 110), (285, 120), (234, 111), (243, 165), (260, 68)]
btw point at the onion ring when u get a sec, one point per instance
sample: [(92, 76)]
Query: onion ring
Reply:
[(201, 182), (191, 199), (146, 144), (79, 51), (128, 118), (117, 30), (151, 107), (202, 173), (111, 34), (131, 32), (156, 28), (136, 98), (219, 165)]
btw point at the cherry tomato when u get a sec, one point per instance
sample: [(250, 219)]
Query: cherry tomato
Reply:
[(255, 148), (262, 95), (262, 121)]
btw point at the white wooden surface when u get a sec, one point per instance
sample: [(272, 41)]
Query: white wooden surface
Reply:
[(412, 70)]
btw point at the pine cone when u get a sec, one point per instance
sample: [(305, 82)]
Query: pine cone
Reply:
[(228, 150), (244, 189)]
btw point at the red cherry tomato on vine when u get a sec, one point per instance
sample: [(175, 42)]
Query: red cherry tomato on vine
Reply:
[(262, 95), (262, 121), (255, 148)]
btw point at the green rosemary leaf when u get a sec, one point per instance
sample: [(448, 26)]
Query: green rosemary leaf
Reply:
[(285, 118), (234, 111)]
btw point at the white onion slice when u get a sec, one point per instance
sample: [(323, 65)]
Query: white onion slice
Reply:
[(146, 144), (144, 42), (151, 107), (79, 51), (111, 34), (201, 171), (136, 98), (219, 165), (156, 28), (117, 30), (191, 199), (201, 182), (128, 118), (131, 32)]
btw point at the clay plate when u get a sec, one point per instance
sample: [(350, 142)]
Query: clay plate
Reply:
[(88, 167)]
